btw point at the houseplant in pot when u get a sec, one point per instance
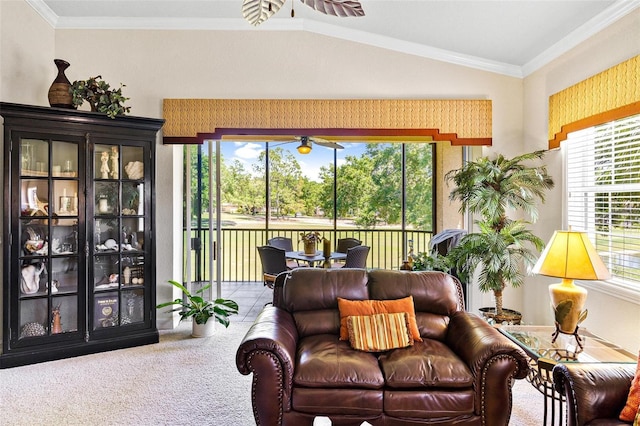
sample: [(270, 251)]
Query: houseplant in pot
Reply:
[(431, 262), (194, 306), (502, 246), (100, 96)]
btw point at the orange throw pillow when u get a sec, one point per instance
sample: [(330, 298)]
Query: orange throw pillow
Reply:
[(628, 413), (349, 308), (379, 332)]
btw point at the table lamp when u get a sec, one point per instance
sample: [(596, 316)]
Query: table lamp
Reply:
[(571, 256)]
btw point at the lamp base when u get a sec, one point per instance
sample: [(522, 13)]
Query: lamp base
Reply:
[(567, 302), (575, 334)]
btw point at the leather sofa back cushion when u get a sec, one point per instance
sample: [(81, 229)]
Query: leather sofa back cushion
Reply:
[(435, 296), (433, 292), (312, 297)]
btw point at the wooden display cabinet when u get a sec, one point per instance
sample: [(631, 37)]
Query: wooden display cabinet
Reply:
[(79, 231)]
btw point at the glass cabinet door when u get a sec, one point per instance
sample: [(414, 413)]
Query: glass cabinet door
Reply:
[(119, 286), (48, 240)]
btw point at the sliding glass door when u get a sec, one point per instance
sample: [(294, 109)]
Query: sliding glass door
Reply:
[(202, 217)]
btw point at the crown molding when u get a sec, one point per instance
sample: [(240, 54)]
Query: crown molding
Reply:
[(610, 15), (44, 11), (613, 13), (297, 24), (412, 48)]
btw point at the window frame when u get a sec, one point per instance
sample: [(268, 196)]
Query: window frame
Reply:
[(626, 290)]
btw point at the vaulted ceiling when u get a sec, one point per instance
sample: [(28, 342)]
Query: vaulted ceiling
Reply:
[(511, 37)]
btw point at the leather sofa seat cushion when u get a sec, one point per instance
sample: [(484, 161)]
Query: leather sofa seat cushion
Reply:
[(324, 361), (429, 405), (367, 402), (426, 364)]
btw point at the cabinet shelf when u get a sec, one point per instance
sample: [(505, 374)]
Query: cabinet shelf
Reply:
[(69, 184)]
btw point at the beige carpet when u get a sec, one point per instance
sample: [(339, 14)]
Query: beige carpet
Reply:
[(181, 380)]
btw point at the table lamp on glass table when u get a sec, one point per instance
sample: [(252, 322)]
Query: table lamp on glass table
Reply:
[(571, 256)]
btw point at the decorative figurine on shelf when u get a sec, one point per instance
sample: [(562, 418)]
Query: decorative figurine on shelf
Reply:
[(56, 324), (35, 204), (30, 281), (127, 275), (32, 329), (104, 169), (114, 162)]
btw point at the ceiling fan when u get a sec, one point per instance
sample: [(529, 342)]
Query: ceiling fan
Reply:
[(258, 11), (306, 141)]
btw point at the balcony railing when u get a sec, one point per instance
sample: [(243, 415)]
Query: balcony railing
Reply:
[(240, 260)]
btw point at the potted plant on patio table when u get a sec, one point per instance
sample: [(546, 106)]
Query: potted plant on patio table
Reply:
[(201, 310), (488, 187), (310, 241)]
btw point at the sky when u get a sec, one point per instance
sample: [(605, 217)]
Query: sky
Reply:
[(248, 152)]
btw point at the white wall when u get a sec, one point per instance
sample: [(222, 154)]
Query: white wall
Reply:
[(617, 319), (254, 64)]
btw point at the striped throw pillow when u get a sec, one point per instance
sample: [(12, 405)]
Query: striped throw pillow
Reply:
[(379, 332)]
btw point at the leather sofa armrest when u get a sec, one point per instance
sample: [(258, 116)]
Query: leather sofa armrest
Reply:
[(494, 361), (593, 391), (268, 350), (476, 341)]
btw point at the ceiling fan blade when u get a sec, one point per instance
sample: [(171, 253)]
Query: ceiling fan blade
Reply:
[(272, 144), (326, 143), (342, 8), (258, 11)]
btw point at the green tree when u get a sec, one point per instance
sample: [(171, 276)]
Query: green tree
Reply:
[(419, 185), (311, 197), (240, 188), (385, 201), (353, 187), (285, 181)]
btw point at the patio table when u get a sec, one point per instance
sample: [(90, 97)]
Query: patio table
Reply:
[(311, 259)]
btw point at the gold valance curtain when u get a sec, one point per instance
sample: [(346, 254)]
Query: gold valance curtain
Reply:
[(607, 96), (463, 122)]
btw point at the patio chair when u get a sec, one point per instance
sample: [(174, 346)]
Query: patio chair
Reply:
[(285, 244), (345, 244), (273, 262), (356, 258)]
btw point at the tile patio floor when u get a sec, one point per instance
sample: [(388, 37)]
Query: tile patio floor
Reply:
[(251, 297)]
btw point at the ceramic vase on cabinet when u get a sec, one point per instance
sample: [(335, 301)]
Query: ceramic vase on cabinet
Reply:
[(59, 95)]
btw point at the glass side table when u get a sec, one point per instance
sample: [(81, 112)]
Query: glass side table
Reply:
[(536, 341)]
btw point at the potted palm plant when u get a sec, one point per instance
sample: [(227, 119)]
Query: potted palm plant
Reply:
[(194, 306), (502, 246)]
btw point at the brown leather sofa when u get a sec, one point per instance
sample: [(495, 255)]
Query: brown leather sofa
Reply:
[(595, 393), (460, 374)]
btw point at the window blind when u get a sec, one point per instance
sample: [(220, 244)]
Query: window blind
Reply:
[(603, 193)]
